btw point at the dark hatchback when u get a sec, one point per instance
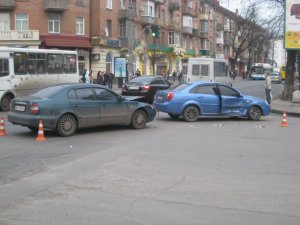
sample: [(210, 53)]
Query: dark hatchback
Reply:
[(67, 107), (145, 86)]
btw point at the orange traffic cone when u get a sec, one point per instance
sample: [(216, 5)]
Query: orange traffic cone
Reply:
[(40, 136), (284, 121), (2, 127)]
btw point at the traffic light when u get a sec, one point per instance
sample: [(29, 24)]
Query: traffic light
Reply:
[(155, 31)]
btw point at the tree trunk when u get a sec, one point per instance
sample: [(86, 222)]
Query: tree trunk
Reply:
[(288, 88)]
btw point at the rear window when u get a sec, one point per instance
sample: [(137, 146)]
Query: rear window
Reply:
[(141, 79), (180, 87), (47, 92)]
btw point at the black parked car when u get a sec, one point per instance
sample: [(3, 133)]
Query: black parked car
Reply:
[(145, 86)]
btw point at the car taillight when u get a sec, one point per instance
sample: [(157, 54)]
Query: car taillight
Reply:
[(34, 108), (170, 96), (147, 88)]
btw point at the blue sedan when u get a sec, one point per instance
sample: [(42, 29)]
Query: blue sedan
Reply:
[(67, 107), (191, 100)]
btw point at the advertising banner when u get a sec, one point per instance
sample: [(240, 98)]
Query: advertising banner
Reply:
[(292, 24), (120, 66)]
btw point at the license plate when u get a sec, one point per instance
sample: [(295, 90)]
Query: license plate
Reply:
[(133, 88), (20, 108), (159, 97)]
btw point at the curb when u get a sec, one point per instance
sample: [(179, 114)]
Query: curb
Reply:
[(287, 113)]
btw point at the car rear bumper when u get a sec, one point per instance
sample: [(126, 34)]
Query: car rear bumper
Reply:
[(151, 112), (31, 120)]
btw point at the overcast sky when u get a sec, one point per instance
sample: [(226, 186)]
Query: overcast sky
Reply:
[(232, 5)]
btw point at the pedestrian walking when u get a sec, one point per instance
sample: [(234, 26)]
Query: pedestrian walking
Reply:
[(100, 78), (111, 77), (137, 73), (174, 75), (106, 79), (268, 87), (87, 77)]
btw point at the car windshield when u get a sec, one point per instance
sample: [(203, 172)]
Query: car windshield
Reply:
[(47, 92), (141, 79), (274, 74)]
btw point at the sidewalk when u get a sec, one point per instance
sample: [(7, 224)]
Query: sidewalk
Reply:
[(279, 106)]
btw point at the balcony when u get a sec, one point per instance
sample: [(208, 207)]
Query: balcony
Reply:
[(189, 11), (174, 6), (124, 42), (7, 4), (187, 30), (220, 26), (124, 14), (159, 2), (15, 35), (203, 34), (174, 25), (147, 19), (203, 16), (220, 41), (56, 5)]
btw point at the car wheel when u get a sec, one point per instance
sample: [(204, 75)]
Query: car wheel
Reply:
[(191, 113), (139, 119), (254, 113), (173, 116), (5, 102), (66, 125)]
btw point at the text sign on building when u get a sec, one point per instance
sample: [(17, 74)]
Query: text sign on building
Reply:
[(120, 66), (292, 24)]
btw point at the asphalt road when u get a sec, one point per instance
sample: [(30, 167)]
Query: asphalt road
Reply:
[(213, 171)]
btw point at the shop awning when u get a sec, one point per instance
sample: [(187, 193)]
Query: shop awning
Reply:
[(66, 41)]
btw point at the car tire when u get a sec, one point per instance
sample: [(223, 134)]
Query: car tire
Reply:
[(173, 116), (139, 119), (5, 102), (254, 113), (66, 125), (191, 113)]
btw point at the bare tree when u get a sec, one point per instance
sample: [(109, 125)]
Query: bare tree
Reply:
[(275, 23)]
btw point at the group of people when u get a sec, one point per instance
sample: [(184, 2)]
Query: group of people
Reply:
[(105, 79)]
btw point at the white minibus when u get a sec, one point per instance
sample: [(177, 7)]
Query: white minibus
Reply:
[(207, 69), (23, 70)]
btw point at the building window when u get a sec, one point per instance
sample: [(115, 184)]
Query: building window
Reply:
[(79, 25), (4, 22), (79, 2), (21, 21), (109, 27), (54, 24), (123, 28), (173, 38), (109, 4), (203, 26), (147, 9), (204, 44)]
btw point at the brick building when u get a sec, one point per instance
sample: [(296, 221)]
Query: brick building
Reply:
[(101, 30)]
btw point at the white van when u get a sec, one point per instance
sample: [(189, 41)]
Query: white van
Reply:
[(207, 69)]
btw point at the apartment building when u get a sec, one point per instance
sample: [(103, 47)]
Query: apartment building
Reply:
[(101, 30), (61, 24)]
